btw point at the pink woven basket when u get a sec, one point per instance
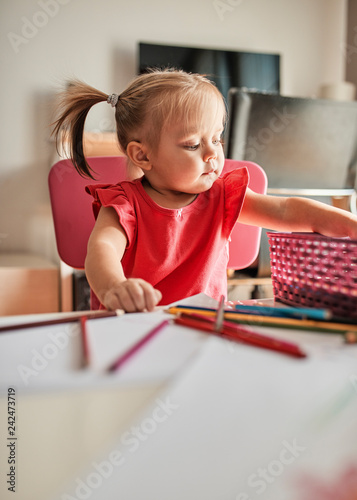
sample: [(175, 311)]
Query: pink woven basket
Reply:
[(311, 270)]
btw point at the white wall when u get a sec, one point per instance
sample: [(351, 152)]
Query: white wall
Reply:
[(46, 41)]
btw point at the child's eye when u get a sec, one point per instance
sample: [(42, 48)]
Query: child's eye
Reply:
[(192, 147), (216, 142)]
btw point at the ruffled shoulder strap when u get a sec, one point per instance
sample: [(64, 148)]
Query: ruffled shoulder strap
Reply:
[(121, 198)]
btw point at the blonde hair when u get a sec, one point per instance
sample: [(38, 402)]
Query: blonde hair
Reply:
[(149, 102)]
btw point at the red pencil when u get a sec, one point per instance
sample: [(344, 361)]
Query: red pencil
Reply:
[(237, 333)]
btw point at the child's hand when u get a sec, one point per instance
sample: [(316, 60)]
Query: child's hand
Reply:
[(132, 295)]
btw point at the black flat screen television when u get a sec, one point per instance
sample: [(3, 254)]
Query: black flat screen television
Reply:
[(226, 68)]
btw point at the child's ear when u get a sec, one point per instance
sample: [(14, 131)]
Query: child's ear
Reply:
[(137, 153)]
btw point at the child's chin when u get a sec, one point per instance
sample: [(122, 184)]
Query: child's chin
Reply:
[(208, 182)]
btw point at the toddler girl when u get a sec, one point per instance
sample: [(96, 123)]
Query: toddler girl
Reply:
[(163, 236)]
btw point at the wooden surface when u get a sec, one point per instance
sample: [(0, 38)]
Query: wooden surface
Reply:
[(28, 285)]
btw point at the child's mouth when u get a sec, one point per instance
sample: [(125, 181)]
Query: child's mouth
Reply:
[(211, 172)]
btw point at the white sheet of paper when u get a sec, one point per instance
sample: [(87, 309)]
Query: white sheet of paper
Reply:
[(51, 357)]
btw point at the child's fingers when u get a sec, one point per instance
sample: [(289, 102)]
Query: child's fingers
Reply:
[(135, 298), (115, 300), (152, 296), (119, 298), (143, 294), (132, 295)]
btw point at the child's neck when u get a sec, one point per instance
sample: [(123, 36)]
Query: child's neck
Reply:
[(167, 198)]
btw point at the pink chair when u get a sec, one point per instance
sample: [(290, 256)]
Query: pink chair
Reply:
[(73, 216)]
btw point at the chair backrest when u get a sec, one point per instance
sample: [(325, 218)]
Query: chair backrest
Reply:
[(72, 207), (245, 239), (300, 142), (73, 215)]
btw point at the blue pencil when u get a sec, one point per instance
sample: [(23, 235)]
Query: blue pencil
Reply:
[(285, 312)]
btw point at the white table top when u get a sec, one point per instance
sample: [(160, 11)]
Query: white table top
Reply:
[(190, 416)]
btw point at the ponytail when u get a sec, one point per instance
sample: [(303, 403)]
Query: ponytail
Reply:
[(75, 103)]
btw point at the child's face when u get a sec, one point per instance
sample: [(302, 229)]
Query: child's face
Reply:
[(190, 156)]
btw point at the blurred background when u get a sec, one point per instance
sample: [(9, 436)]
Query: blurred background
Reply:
[(47, 42)]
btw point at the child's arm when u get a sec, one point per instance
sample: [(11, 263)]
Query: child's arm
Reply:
[(105, 273), (297, 214)]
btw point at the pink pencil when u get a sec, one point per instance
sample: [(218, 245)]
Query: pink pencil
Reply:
[(136, 347)]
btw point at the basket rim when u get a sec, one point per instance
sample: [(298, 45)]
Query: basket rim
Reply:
[(309, 236)]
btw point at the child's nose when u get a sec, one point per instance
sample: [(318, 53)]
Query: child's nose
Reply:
[(209, 154)]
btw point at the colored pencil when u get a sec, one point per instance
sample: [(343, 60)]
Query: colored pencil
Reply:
[(254, 319), (235, 333), (294, 312), (136, 347), (74, 317)]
